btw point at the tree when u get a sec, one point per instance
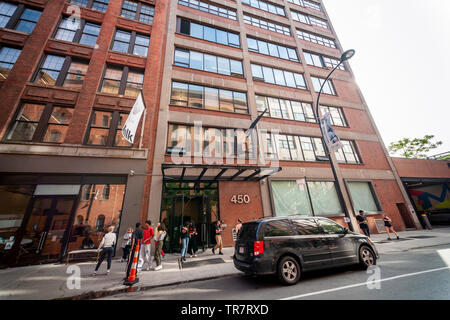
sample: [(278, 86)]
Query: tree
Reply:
[(416, 148)]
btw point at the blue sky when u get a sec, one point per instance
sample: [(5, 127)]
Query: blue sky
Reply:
[(402, 64)]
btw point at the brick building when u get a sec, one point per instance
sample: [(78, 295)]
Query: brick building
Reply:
[(207, 70)]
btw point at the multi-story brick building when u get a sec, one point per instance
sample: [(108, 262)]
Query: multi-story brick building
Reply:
[(207, 70)]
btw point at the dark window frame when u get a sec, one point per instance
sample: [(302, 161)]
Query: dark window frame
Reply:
[(124, 79), (372, 189), (78, 33), (91, 3), (16, 17), (132, 43), (138, 11)]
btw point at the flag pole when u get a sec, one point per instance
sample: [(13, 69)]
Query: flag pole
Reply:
[(142, 129)]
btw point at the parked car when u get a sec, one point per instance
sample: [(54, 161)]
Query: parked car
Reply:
[(288, 246)]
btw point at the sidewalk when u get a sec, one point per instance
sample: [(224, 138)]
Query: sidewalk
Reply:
[(51, 281)]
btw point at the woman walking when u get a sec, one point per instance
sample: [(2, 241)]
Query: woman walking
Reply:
[(184, 241), (160, 235), (389, 227), (192, 249), (126, 244), (108, 242)]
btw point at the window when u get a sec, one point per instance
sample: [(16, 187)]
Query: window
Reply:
[(307, 4), (210, 8), (324, 198), (131, 43), (279, 77), (337, 115), (78, 31), (285, 109), (363, 196), (100, 224), (138, 11), (272, 49), (307, 19), (105, 129), (316, 39), (106, 191), (208, 33), (328, 87), (197, 60), (305, 227), (348, 153), (8, 57), (18, 17), (267, 25), (41, 123), (265, 6), (322, 61), (278, 228), (61, 71), (122, 81), (330, 227), (295, 148), (290, 198), (189, 95), (99, 5)]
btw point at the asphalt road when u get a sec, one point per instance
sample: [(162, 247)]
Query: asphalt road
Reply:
[(422, 274)]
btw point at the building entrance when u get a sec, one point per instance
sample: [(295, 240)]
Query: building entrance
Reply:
[(185, 203)]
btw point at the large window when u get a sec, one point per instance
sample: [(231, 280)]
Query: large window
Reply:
[(307, 19), (138, 11), (210, 8), (307, 4), (322, 62), (267, 25), (265, 6), (41, 123), (195, 96), (295, 148), (285, 109), (337, 115), (348, 154), (278, 77), (105, 129), (8, 57), (61, 71), (18, 17), (308, 198), (78, 31), (272, 49), (122, 81), (328, 87), (206, 62), (314, 38), (131, 42), (99, 5), (363, 196), (208, 33)]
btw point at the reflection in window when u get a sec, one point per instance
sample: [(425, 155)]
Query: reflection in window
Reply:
[(26, 18), (363, 196), (272, 49), (8, 57), (208, 33), (290, 198)]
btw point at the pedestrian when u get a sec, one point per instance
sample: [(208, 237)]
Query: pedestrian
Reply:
[(184, 240), (160, 236), (107, 246), (145, 253), (126, 244), (389, 227), (219, 243), (137, 238), (192, 248), (155, 239), (238, 226), (363, 224)]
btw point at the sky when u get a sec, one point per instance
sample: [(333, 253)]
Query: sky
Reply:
[(402, 63)]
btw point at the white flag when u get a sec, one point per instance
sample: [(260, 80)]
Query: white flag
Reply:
[(130, 127), (331, 139)]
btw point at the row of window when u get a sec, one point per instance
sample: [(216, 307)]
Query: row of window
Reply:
[(272, 49), (307, 4), (320, 61), (314, 38), (265, 6), (210, 8), (278, 77), (311, 20), (99, 5), (267, 25)]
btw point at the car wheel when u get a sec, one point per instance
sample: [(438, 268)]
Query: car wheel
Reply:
[(366, 257), (288, 271)]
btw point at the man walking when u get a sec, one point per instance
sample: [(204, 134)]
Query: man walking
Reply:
[(363, 224), (146, 245), (219, 244)]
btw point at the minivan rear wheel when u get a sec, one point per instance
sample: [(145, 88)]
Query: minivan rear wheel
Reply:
[(366, 257), (288, 271)]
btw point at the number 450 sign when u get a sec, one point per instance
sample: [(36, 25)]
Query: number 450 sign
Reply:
[(240, 199)]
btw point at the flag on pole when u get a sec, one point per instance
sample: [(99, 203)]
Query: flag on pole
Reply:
[(253, 125), (331, 139), (130, 127)]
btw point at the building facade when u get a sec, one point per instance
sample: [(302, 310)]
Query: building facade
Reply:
[(71, 71)]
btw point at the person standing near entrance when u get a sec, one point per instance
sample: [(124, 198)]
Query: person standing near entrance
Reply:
[(146, 245), (108, 243), (160, 235), (184, 240), (363, 224), (219, 243), (389, 227), (192, 248)]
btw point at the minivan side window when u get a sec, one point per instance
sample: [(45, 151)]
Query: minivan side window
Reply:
[(331, 227), (305, 227), (280, 228)]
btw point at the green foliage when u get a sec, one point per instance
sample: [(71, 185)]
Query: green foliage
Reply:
[(416, 148)]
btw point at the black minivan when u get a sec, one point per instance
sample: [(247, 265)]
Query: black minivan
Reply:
[(287, 246)]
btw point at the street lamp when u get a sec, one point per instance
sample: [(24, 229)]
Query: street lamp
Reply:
[(347, 55)]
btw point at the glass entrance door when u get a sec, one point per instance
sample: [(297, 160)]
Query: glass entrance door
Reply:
[(45, 234)]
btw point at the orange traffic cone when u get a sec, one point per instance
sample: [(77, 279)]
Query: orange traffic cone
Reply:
[(132, 278)]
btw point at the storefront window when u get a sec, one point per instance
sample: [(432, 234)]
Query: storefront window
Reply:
[(324, 198), (290, 198), (362, 197)]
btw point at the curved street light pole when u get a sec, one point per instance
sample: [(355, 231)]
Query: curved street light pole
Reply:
[(345, 56)]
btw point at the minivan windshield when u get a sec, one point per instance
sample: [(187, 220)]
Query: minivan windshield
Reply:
[(248, 231)]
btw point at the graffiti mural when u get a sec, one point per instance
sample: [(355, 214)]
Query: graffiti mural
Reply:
[(435, 197)]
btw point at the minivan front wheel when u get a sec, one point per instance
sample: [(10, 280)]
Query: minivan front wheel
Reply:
[(288, 271), (366, 257)]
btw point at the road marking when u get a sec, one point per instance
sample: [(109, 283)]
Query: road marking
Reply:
[(364, 283)]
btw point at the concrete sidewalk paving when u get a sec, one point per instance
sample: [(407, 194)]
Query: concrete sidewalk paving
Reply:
[(59, 281)]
